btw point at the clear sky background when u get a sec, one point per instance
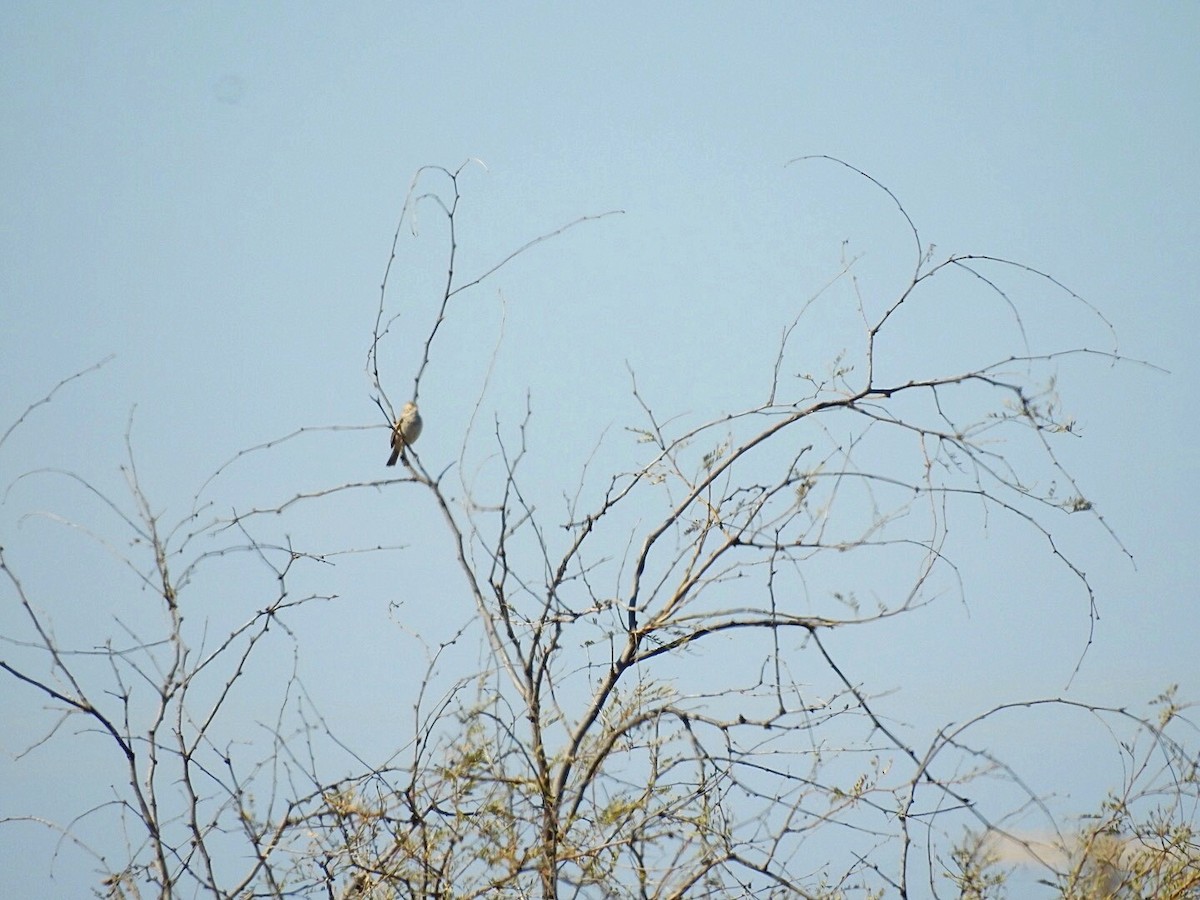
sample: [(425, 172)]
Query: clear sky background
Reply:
[(210, 193)]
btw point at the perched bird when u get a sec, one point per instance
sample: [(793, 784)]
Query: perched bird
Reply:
[(406, 430)]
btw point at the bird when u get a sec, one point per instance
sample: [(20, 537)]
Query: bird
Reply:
[(405, 432)]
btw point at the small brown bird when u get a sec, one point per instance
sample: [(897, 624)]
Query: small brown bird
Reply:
[(405, 432)]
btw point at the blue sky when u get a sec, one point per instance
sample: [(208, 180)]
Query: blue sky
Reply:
[(209, 193)]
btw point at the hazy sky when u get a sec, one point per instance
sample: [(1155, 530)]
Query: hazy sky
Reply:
[(210, 193)]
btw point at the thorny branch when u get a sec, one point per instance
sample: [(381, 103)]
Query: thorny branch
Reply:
[(596, 750)]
